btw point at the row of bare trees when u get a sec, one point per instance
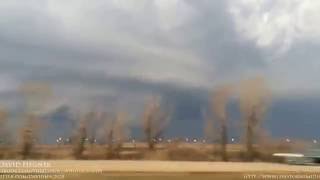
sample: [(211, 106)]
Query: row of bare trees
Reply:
[(253, 97), (93, 125), (114, 129)]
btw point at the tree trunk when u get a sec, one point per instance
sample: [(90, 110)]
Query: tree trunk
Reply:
[(249, 144), (224, 141), (150, 141), (252, 122)]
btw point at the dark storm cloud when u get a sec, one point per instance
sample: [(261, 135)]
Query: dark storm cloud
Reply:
[(141, 47), (208, 32), (117, 51)]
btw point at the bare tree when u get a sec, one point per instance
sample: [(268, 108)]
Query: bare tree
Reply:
[(92, 121), (29, 135), (79, 140), (254, 98), (155, 120), (218, 103), (88, 130), (36, 96), (210, 130), (116, 135)]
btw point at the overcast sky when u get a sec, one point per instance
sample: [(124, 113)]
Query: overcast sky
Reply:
[(122, 50)]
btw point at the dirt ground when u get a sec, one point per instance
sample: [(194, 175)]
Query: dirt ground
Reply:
[(169, 170), (178, 166), (197, 176)]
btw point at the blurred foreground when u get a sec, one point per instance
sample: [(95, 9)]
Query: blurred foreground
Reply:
[(115, 169)]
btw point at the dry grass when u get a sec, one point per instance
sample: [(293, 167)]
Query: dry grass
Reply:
[(139, 151)]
